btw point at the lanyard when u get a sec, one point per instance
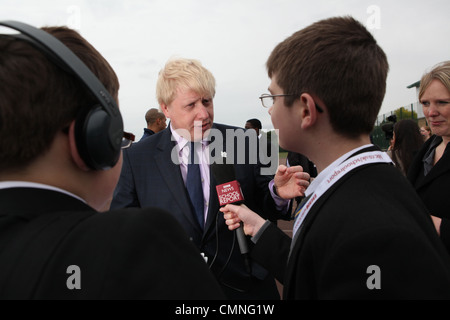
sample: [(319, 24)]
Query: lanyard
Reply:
[(340, 171)]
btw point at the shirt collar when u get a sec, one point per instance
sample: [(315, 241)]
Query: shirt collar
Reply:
[(27, 184), (428, 158), (318, 180), (181, 141)]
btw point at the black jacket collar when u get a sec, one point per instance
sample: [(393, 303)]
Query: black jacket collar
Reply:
[(31, 202)]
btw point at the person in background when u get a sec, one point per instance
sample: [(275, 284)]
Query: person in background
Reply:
[(264, 141), (156, 121), (405, 144), (430, 170), (254, 124), (425, 132), (54, 242), (362, 232)]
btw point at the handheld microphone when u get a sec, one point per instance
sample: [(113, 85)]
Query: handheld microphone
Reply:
[(229, 192)]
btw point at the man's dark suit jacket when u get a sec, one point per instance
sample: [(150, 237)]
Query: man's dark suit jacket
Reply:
[(371, 217), (433, 188), (150, 178), (123, 254)]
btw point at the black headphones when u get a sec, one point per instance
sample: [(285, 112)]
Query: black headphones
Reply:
[(99, 129)]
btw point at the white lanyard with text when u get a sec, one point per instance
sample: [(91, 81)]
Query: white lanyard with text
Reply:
[(344, 168)]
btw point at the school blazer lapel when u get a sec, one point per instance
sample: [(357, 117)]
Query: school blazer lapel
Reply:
[(296, 246)]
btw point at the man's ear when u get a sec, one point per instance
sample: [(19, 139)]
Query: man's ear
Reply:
[(309, 111), (165, 109), (79, 162)]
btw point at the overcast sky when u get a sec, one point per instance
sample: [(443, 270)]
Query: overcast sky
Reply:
[(233, 39)]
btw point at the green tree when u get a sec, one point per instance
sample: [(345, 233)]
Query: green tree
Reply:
[(403, 113)]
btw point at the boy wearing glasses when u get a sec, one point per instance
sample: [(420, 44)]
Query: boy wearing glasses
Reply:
[(361, 232)]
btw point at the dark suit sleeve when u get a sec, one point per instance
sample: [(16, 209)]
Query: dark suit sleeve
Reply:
[(125, 193), (272, 251)]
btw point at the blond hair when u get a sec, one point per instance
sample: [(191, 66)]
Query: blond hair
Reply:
[(439, 72), (184, 74)]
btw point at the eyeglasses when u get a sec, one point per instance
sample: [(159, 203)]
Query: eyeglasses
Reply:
[(267, 100), (127, 140)]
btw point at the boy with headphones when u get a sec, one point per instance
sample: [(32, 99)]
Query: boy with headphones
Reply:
[(61, 138)]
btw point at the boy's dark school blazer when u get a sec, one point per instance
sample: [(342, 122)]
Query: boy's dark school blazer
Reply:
[(371, 217), (122, 254)]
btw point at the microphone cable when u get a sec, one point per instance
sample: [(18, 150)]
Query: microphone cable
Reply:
[(217, 247), (233, 245), (217, 240)]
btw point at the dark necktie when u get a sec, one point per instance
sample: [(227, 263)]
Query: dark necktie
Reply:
[(194, 185)]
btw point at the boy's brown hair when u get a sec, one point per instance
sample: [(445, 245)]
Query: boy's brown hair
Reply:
[(338, 61), (38, 98)]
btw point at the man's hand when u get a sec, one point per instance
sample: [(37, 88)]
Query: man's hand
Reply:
[(291, 182)]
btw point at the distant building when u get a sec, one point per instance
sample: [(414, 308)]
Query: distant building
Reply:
[(415, 85), (420, 116)]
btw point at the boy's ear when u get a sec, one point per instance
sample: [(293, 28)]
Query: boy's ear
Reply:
[(79, 162), (309, 111)]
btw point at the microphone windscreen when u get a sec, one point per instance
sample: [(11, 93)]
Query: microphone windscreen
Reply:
[(229, 191), (228, 188), (223, 172)]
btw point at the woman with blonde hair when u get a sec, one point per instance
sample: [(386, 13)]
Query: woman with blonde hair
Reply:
[(430, 170)]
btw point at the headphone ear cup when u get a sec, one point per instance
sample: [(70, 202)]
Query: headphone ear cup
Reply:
[(93, 139)]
